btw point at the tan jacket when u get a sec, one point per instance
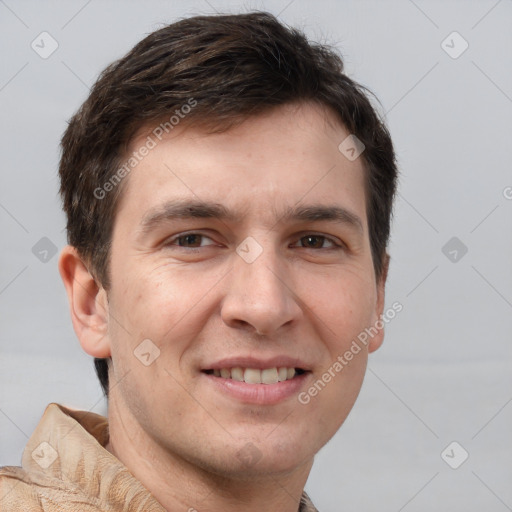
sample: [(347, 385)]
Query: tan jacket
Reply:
[(65, 468)]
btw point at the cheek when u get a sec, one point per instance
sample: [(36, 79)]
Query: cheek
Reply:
[(341, 308), (151, 301), (146, 313), (162, 304)]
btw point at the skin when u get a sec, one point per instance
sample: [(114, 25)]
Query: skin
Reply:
[(181, 436)]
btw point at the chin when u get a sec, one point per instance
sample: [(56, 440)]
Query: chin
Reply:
[(274, 454), (260, 457), (262, 465)]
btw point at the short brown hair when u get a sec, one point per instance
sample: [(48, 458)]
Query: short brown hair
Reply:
[(232, 67)]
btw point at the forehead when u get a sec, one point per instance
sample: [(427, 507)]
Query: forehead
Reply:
[(263, 167)]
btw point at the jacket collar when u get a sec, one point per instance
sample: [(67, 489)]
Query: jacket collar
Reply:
[(68, 448)]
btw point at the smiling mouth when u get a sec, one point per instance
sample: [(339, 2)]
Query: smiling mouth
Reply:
[(256, 375)]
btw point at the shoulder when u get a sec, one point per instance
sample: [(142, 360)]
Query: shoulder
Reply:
[(34, 492), (16, 491)]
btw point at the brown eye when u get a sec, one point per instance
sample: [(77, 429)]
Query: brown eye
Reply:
[(316, 242), (190, 240)]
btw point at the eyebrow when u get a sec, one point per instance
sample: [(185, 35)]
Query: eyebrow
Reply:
[(187, 209)]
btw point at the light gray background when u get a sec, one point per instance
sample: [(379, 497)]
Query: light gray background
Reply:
[(444, 371)]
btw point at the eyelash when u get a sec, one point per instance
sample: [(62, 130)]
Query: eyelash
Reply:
[(313, 235)]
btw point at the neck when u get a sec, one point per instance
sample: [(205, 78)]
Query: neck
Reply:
[(178, 484)]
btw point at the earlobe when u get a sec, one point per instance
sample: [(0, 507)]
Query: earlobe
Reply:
[(88, 304), (377, 340)]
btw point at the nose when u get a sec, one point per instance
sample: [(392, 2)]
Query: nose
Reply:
[(260, 296)]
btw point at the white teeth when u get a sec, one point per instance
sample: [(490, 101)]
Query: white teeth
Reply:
[(269, 376), (237, 374), (255, 375), (252, 376)]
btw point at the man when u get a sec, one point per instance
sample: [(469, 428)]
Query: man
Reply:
[(228, 193)]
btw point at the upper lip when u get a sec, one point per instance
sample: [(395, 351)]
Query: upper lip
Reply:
[(258, 363)]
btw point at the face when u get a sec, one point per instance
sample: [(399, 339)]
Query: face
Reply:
[(241, 272)]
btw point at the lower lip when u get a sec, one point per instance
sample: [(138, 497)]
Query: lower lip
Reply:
[(261, 394)]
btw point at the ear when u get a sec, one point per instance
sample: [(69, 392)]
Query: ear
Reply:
[(376, 341), (88, 304)]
